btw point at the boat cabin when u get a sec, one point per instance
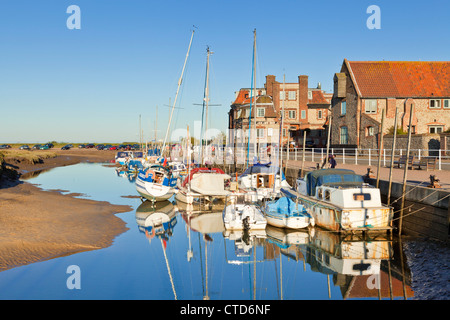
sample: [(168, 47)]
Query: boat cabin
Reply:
[(340, 187), (262, 175)]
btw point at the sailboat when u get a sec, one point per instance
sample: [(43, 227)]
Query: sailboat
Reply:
[(156, 182), (265, 179)]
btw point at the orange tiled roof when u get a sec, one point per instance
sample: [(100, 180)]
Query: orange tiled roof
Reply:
[(318, 98), (401, 78)]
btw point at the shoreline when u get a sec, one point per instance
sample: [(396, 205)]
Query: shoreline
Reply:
[(33, 230)]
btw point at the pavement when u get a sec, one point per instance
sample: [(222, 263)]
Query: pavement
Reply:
[(414, 177)]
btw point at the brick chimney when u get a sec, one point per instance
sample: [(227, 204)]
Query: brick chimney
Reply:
[(270, 80), (303, 96)]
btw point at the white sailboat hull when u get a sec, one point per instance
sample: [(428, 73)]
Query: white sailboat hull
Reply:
[(153, 191)]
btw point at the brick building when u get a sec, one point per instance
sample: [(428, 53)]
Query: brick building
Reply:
[(362, 89), (304, 109)]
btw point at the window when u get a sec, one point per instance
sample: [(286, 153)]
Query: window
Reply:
[(413, 129), (319, 193), (361, 196), (284, 132), (319, 114), (309, 94), (282, 95), (370, 131), (435, 129), (446, 103), (292, 114), (291, 95), (303, 114), (327, 194), (344, 135), (343, 107), (260, 133), (435, 104), (371, 106), (260, 112)]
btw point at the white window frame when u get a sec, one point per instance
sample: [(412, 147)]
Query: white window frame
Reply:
[(310, 96), (303, 113), (446, 102), (260, 133), (292, 112), (282, 95), (261, 112), (438, 101), (319, 114), (341, 140), (435, 128), (370, 131), (292, 95), (370, 106), (343, 108)]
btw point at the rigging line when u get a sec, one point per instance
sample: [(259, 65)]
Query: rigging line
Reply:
[(408, 192), (422, 207)]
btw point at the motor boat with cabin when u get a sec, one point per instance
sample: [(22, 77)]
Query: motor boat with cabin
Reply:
[(202, 184), (339, 200), (242, 213)]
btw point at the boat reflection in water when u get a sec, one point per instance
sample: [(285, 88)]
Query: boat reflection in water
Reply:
[(273, 263)]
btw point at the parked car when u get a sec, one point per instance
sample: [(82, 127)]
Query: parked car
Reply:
[(82, 146), (106, 147), (113, 148), (90, 145), (5, 146), (37, 146), (50, 145), (24, 147), (100, 146), (44, 147), (66, 147)]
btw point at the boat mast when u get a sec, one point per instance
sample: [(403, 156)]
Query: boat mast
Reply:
[(251, 96), (176, 95), (205, 104)]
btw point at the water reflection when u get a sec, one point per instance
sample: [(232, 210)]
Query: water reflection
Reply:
[(360, 266)]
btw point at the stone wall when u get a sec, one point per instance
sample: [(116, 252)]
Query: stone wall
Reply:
[(425, 142)]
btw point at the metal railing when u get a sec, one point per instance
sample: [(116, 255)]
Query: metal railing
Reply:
[(369, 157)]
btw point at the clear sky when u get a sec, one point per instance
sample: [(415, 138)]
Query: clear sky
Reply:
[(92, 84)]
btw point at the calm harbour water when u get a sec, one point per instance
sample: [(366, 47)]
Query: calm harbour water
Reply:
[(194, 258)]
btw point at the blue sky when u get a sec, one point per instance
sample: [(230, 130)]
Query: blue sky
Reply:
[(92, 84)]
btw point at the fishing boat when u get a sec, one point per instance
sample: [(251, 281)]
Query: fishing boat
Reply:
[(202, 184), (339, 200), (285, 213), (266, 179), (241, 213), (156, 183)]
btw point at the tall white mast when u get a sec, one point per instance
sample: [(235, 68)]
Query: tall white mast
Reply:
[(176, 95), (205, 104)]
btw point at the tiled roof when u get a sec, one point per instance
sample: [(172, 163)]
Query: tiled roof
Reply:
[(318, 97), (401, 78), (243, 96)]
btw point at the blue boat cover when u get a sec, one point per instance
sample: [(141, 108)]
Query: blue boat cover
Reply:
[(263, 168), (287, 207)]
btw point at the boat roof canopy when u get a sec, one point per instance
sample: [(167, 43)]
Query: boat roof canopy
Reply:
[(262, 168), (334, 177)]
